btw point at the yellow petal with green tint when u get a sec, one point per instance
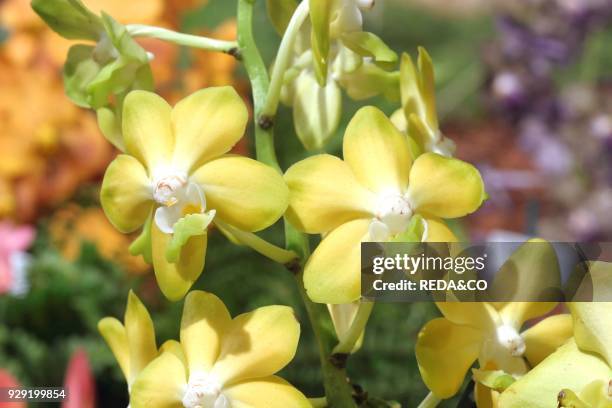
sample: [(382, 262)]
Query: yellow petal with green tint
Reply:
[(175, 279), (568, 367), (532, 272), (428, 88), (244, 192), (593, 327), (546, 337), (140, 335), (370, 45), (438, 231), (445, 187), (480, 315), (320, 17), (376, 151), (257, 344), (597, 394), (485, 397), (269, 392), (333, 272), (207, 124), (174, 347), (204, 323), (590, 282), (161, 384), (317, 110), (323, 194), (115, 336), (517, 313), (125, 194), (445, 351), (410, 91), (147, 128), (110, 127)]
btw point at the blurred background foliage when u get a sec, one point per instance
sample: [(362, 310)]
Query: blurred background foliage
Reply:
[(521, 89)]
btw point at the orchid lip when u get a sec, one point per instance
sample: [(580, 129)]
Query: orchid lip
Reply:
[(177, 197)]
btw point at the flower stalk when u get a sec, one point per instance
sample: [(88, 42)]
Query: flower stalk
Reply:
[(430, 401), (271, 251), (260, 82), (283, 59), (188, 40)]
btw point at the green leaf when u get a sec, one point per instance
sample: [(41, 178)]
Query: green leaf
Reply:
[(189, 226), (69, 18), (280, 13), (320, 17), (497, 380), (369, 45), (142, 244)]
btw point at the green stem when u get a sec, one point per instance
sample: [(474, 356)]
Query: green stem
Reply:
[(347, 343), (338, 391), (275, 253), (258, 74), (430, 401), (283, 58), (194, 41)]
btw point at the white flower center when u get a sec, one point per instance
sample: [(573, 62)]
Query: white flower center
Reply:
[(204, 391), (510, 339), (392, 216), (177, 197), (169, 188)]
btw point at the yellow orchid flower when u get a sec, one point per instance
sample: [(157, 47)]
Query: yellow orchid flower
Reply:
[(132, 342), (176, 178), (491, 332), (418, 117), (226, 363), (372, 195), (577, 375)]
